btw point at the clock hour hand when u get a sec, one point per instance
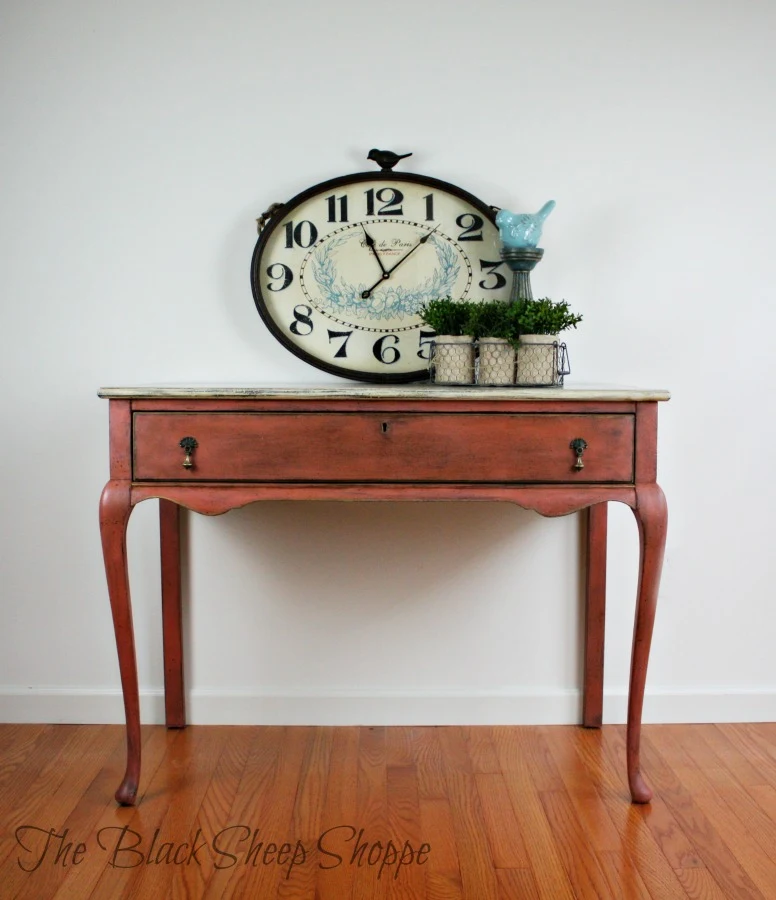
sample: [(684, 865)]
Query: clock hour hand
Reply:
[(368, 293), (370, 242)]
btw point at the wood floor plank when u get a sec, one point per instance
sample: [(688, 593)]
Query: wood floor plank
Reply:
[(589, 806), (31, 785), (371, 814), (546, 863), (765, 797), (649, 847), (541, 765), (399, 745), (429, 764), (743, 843), (623, 876), (549, 873), (18, 881), (516, 884), (744, 740), (736, 820), (406, 878), (716, 855), (213, 815), (274, 824), (508, 812), (507, 848), (742, 802), (699, 884), (306, 817), (80, 881), (16, 743), (53, 792), (455, 749), (732, 759), (443, 887), (252, 820), (190, 763), (579, 859), (512, 758), (619, 870), (477, 871), (482, 752), (443, 877), (124, 826), (334, 876)]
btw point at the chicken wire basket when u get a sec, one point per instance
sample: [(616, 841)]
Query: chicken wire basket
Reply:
[(541, 362), (496, 362), (452, 360)]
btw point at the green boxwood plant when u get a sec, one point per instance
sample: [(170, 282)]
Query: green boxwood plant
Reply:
[(544, 316), (492, 319), (446, 316)]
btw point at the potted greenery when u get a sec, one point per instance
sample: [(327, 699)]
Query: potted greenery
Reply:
[(538, 324), (492, 322), (453, 350)]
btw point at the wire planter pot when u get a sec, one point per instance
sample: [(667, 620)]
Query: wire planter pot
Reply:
[(452, 360), (542, 361)]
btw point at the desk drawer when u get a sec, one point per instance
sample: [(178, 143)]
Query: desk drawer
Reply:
[(383, 447)]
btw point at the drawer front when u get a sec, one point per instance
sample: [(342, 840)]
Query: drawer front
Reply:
[(375, 447)]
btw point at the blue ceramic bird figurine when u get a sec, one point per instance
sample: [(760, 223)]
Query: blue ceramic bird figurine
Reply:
[(522, 229)]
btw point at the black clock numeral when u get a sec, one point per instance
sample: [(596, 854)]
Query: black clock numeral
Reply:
[(425, 339), (472, 227), (429, 198), (285, 274), (342, 350), (389, 197), (302, 324), (385, 352), (332, 202), (491, 267), (303, 237)]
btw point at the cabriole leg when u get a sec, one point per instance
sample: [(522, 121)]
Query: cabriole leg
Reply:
[(115, 507), (652, 518)]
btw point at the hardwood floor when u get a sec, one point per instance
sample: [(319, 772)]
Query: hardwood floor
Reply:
[(401, 812)]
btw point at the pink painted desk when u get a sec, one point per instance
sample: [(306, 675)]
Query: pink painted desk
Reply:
[(555, 451)]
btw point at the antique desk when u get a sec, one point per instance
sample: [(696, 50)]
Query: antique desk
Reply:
[(556, 451)]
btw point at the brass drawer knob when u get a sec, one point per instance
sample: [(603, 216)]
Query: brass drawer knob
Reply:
[(579, 445), (189, 445)]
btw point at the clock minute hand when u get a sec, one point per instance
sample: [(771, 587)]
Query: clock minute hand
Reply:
[(410, 252), (368, 293)]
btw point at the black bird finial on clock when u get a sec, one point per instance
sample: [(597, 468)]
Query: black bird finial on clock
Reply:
[(386, 159)]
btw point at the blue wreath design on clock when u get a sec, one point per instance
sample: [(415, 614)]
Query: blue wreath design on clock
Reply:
[(396, 302)]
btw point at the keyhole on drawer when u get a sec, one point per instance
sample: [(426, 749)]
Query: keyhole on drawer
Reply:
[(384, 427)]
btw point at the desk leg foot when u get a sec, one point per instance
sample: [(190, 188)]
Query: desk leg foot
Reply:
[(115, 507), (652, 518), (127, 791), (640, 791)]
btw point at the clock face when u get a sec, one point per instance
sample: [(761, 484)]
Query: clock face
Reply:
[(341, 271)]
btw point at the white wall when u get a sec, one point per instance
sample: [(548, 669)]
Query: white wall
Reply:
[(140, 141)]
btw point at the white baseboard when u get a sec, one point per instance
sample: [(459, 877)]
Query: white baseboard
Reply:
[(373, 707)]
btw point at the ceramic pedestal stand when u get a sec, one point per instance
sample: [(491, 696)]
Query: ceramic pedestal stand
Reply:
[(522, 261), (537, 354)]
